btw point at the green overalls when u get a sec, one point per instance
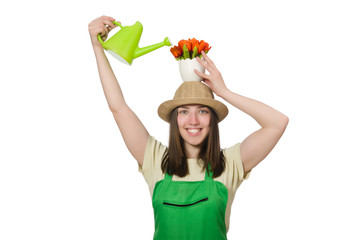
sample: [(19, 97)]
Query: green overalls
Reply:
[(189, 210)]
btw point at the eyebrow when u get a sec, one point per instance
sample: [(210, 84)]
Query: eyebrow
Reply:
[(187, 107)]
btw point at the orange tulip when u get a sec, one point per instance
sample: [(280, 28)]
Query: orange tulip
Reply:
[(176, 51), (194, 43), (204, 46), (184, 42)]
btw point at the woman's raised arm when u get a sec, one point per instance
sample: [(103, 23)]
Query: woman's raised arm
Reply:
[(273, 123), (133, 131)]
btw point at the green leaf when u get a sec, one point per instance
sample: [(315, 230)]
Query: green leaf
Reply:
[(194, 52), (186, 52)]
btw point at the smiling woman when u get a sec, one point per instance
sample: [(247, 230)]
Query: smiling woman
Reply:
[(192, 181), (194, 134)]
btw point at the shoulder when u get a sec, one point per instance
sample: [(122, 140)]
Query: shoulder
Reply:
[(154, 152), (151, 167), (233, 164), (154, 147), (232, 154)]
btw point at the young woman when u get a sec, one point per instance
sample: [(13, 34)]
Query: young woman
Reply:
[(192, 181)]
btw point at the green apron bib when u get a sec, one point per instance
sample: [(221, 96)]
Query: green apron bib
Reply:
[(189, 210)]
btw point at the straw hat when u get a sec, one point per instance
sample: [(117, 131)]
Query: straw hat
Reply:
[(192, 92)]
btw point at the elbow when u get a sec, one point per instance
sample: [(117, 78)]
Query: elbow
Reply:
[(119, 108), (284, 120), (280, 123), (114, 109)]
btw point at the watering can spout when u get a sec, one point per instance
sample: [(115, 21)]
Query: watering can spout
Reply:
[(124, 44), (142, 51)]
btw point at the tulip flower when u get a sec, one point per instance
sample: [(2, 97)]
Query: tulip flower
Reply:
[(194, 43), (176, 51), (190, 48), (204, 46), (184, 42)]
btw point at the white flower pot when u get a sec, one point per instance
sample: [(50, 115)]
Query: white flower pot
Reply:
[(187, 68)]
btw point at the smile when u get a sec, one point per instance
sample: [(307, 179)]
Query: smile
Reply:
[(193, 131)]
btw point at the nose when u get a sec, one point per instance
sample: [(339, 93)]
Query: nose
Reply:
[(194, 118)]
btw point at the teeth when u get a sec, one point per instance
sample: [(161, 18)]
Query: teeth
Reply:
[(193, 130)]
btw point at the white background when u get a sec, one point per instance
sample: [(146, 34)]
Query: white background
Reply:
[(65, 172)]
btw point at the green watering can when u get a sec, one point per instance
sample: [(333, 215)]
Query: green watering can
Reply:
[(123, 45)]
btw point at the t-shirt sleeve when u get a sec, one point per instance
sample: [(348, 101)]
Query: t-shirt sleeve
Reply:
[(152, 161), (234, 166)]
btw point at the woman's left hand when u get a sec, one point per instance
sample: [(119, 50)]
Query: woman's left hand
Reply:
[(214, 79), (102, 26)]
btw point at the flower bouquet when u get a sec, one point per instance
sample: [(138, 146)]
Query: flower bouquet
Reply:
[(186, 52)]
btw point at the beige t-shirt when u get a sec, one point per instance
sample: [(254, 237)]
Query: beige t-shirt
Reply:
[(232, 177)]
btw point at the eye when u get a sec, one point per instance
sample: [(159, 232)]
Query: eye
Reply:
[(182, 111), (204, 111)]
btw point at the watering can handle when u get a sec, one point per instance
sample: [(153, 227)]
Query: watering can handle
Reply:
[(99, 36)]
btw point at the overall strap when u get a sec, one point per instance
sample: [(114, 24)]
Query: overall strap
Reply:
[(167, 177), (208, 177)]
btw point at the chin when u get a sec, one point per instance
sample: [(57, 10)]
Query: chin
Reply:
[(194, 141)]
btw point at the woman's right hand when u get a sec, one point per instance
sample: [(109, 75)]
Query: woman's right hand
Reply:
[(102, 25)]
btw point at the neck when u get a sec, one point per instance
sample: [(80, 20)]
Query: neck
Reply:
[(192, 151)]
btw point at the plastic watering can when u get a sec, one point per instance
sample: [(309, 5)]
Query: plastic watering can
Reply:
[(123, 45)]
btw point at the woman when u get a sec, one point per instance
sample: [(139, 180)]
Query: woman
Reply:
[(192, 182)]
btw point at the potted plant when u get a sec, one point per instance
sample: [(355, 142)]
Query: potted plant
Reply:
[(186, 52)]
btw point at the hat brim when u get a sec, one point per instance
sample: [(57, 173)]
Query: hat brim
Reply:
[(165, 109)]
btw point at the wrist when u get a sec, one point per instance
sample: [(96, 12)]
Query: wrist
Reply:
[(223, 93), (95, 42), (97, 47)]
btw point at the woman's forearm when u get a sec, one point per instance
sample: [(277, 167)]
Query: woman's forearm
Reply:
[(265, 115), (111, 88)]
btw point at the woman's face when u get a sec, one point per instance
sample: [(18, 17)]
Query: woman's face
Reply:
[(194, 123)]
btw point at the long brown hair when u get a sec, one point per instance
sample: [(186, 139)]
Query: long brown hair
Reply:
[(174, 162)]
